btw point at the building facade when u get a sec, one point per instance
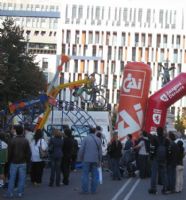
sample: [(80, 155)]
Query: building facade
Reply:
[(102, 37)]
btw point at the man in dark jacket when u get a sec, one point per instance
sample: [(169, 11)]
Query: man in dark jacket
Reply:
[(19, 154)]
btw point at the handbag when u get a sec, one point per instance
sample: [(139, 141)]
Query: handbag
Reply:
[(42, 153)]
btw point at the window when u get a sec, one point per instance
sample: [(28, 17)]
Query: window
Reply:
[(77, 37), (75, 66), (80, 12), (140, 15), (136, 39), (158, 40), (43, 33), (74, 50), (143, 39), (94, 50), (68, 37), (115, 82), (36, 33), (74, 11), (109, 53), (120, 53), (125, 13), (44, 63), (97, 13), (107, 38), (96, 66), (97, 37), (85, 50), (113, 67), (175, 55), (149, 40), (133, 54), (162, 55), (123, 37), (114, 39), (178, 41), (164, 40), (90, 37)]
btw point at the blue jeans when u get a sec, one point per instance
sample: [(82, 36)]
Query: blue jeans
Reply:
[(55, 171), (21, 170), (89, 167), (171, 171), (162, 169)]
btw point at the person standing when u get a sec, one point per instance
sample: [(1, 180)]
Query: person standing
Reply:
[(19, 154), (74, 153), (67, 149), (179, 167), (115, 155), (55, 152), (90, 153), (158, 154), (143, 155), (37, 164), (3, 159), (171, 163)]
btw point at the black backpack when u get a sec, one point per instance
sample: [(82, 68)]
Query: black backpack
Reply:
[(161, 152)]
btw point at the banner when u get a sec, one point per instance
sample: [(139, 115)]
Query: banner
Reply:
[(133, 98)]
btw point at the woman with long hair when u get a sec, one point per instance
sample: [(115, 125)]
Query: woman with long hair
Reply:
[(37, 164)]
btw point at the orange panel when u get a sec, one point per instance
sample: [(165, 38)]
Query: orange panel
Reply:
[(83, 37), (82, 65)]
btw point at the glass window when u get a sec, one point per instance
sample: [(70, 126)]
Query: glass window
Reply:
[(97, 37), (74, 11), (123, 38), (114, 39), (75, 66), (74, 50), (90, 37), (80, 12), (94, 50), (44, 63), (77, 37), (68, 37), (97, 13), (109, 53)]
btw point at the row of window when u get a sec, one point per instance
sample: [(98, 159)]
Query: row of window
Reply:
[(121, 39), (119, 14), (30, 7)]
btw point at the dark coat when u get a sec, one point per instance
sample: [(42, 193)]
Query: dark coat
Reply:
[(115, 149), (55, 148), (19, 150)]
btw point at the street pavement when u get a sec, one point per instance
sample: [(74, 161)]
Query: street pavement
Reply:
[(125, 189)]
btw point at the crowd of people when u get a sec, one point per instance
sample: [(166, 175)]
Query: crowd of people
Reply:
[(27, 153), (156, 156)]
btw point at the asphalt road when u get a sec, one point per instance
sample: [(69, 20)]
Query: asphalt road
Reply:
[(126, 189)]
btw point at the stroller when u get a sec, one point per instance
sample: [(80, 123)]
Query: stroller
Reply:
[(128, 164)]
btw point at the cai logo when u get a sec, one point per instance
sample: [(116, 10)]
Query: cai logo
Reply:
[(156, 117), (164, 97), (133, 83)]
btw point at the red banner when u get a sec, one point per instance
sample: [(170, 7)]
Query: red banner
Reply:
[(160, 101)]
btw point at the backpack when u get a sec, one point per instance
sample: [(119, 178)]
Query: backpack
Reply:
[(161, 152)]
